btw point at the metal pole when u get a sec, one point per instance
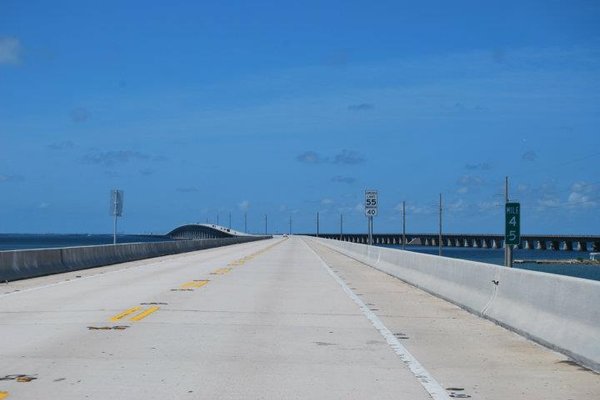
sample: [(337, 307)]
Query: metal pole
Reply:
[(116, 195), (371, 231), (290, 225), (440, 236), (507, 247), (229, 220), (341, 226), (246, 222), (317, 224), (403, 224), (115, 229), (266, 224)]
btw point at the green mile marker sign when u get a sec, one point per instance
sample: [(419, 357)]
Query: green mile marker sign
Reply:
[(513, 224)]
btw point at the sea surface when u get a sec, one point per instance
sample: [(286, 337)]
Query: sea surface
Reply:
[(496, 256), (12, 241)]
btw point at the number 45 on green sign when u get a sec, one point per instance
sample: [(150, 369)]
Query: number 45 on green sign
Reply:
[(513, 223)]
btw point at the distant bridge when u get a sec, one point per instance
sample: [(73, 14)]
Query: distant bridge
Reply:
[(204, 231), (489, 241)]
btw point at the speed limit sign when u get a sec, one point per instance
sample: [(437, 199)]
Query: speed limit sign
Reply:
[(371, 203)]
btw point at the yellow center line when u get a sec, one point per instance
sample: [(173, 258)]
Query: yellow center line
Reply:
[(125, 313), (235, 263), (220, 271), (194, 284), (3, 395), (144, 314)]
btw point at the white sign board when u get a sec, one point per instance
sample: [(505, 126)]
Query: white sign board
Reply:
[(116, 203), (371, 203)]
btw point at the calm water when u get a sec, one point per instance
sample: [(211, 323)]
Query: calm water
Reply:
[(496, 256), (43, 241)]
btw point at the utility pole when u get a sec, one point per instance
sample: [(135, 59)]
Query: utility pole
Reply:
[(341, 225), (245, 222), (115, 205), (317, 224), (440, 236), (266, 224), (230, 220), (290, 224), (403, 224), (116, 209), (507, 247), (370, 228)]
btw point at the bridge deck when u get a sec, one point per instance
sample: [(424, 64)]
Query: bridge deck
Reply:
[(275, 321)]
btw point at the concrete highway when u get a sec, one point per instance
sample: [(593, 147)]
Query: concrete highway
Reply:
[(274, 319)]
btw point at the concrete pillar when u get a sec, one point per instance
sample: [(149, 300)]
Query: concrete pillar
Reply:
[(582, 245), (486, 243), (596, 246), (568, 245), (554, 245)]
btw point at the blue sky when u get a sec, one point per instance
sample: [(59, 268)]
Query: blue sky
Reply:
[(289, 108)]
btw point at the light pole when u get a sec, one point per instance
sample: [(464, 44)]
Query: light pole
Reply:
[(440, 235), (403, 224), (317, 224)]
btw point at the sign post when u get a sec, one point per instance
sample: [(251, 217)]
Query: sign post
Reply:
[(512, 232), (371, 204), (116, 209)]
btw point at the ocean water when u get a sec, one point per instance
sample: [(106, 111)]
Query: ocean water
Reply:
[(11, 241), (496, 256)]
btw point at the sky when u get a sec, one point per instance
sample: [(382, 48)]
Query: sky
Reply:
[(199, 110)]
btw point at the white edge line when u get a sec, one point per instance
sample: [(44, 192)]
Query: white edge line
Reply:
[(435, 390)]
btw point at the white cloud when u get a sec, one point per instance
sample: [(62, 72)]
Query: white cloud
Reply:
[(468, 182), (10, 50), (583, 195), (488, 205), (10, 178), (548, 202), (244, 205), (327, 201), (458, 205)]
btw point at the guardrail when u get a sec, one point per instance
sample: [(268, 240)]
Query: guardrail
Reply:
[(22, 264), (559, 312)]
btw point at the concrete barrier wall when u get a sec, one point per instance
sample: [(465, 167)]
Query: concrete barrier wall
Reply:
[(560, 312), (22, 264)]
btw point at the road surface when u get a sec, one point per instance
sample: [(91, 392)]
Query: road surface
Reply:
[(276, 319)]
